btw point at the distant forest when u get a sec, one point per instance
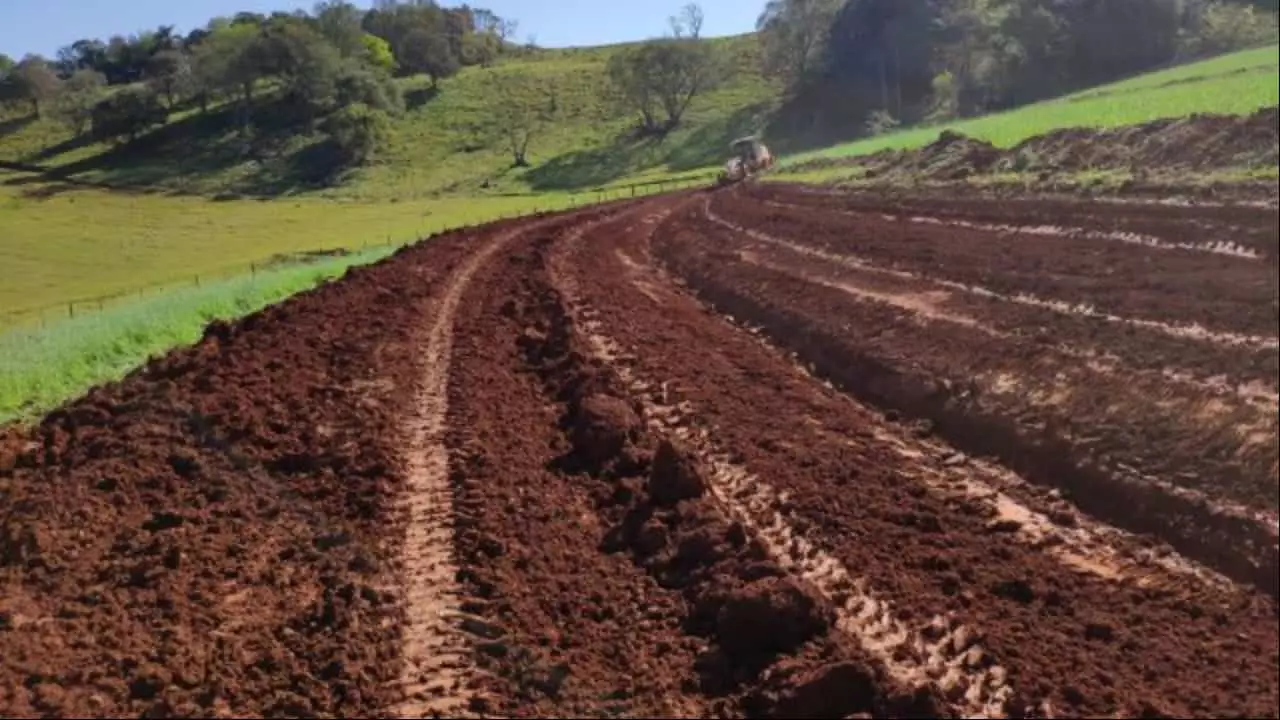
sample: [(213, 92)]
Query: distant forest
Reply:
[(886, 62)]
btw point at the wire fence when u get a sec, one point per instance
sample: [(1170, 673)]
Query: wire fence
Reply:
[(53, 312)]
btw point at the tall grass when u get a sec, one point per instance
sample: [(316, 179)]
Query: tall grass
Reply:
[(41, 368)]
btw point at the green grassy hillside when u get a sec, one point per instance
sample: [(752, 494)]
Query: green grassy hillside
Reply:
[(1235, 84), (445, 143)]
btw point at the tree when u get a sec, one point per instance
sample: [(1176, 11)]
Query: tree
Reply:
[(1219, 27), (35, 82), (339, 22), (358, 131), (377, 52), (793, 36), (127, 114), (361, 84), (633, 89), (428, 52), (688, 23), (506, 29), (6, 64), (77, 98), (525, 108), (169, 72), (303, 62), (666, 74)]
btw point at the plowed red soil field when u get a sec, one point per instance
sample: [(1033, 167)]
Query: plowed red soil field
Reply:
[(763, 452)]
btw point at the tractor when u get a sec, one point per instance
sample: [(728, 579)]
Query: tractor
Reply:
[(750, 156)]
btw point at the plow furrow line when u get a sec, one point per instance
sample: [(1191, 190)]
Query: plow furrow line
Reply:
[(925, 307), (1222, 247), (1082, 543), (436, 665), (944, 652), (1191, 331)]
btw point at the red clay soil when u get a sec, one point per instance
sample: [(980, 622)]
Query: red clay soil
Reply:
[(1252, 227), (205, 537), (1198, 143), (653, 512), (608, 582), (1231, 294), (1098, 435), (1083, 643)]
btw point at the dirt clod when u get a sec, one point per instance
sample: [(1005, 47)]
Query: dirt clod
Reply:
[(771, 616), (605, 426), (674, 476)]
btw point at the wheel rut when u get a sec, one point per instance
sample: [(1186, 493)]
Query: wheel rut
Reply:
[(942, 654), (438, 676)]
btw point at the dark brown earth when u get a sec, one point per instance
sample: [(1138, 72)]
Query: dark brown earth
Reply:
[(756, 452), (1170, 156)]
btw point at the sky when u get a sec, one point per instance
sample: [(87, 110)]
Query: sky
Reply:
[(43, 26)]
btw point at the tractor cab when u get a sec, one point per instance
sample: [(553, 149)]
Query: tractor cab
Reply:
[(750, 156), (750, 150)]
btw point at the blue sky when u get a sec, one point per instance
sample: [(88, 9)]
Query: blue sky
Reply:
[(43, 26)]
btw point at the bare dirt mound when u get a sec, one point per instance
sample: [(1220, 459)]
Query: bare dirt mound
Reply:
[(1199, 143), (207, 536)]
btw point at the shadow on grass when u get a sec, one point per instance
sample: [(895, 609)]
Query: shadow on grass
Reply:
[(593, 167), (186, 156), (66, 146), (707, 145), (13, 125), (418, 97)]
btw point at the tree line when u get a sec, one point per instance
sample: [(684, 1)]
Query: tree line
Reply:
[(891, 61), (331, 68)]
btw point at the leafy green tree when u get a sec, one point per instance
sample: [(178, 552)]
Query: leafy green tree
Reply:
[(6, 64), (359, 131), (77, 98), (302, 60), (665, 75), (793, 35), (1219, 27), (127, 114), (169, 73), (528, 105), (377, 52), (424, 51), (339, 22), (34, 81), (361, 84)]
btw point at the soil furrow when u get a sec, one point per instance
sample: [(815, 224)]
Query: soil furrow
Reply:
[(1011, 231), (1235, 302), (1187, 331), (435, 671), (1078, 393), (242, 496), (943, 654), (1254, 229), (815, 322), (923, 554)]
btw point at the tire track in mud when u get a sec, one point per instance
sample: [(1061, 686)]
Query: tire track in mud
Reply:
[(944, 653), (928, 305), (768, 424), (1191, 331), (436, 664), (1079, 541), (1193, 408), (1236, 540), (1222, 247)]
